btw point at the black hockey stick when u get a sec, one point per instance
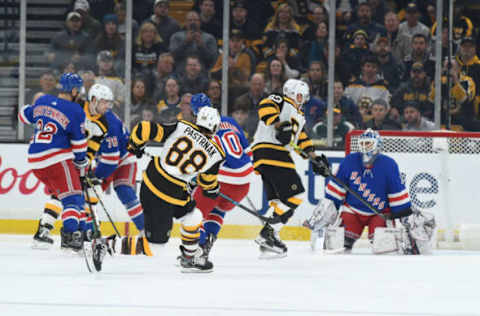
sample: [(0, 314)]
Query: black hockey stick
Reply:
[(91, 185), (96, 237), (269, 220)]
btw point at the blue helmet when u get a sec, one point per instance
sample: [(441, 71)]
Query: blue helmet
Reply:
[(69, 80), (370, 144), (198, 101)]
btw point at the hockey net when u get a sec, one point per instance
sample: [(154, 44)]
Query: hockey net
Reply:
[(439, 169)]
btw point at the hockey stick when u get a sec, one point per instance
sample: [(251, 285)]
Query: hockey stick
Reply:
[(265, 219), (90, 184)]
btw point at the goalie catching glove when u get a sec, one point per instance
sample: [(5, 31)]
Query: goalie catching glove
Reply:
[(284, 132)]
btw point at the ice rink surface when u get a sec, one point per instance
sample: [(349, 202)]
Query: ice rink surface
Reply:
[(36, 282)]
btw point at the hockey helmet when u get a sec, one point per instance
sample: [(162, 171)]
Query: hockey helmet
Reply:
[(69, 80), (198, 101), (370, 144), (208, 118), (103, 96), (297, 90)]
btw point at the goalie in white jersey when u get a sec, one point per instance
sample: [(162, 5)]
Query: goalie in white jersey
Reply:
[(280, 129), (188, 152)]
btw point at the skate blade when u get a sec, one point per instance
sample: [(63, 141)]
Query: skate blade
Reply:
[(265, 248), (193, 270), (268, 255), (338, 251), (40, 245)]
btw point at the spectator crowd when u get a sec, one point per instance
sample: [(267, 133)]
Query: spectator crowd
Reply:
[(384, 60)]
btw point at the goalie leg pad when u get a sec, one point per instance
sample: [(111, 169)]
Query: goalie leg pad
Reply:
[(323, 215), (386, 240), (334, 239)]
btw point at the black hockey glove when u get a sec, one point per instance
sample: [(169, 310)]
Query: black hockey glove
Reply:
[(284, 132), (136, 149), (321, 166), (212, 193)]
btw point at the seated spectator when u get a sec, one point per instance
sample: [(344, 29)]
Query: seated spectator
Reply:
[(109, 39), (193, 41), (378, 8), (90, 25), (341, 127), (349, 109), (319, 15), (414, 121), (380, 120), (365, 109), (240, 62), (369, 84), (48, 84), (275, 76), (420, 54), (364, 22), (121, 12), (107, 76), (314, 110), (193, 80), (389, 68), (249, 28), (240, 115), (289, 58), (214, 92), (250, 100), (165, 67), (462, 25), (171, 95), (401, 43), (469, 62), (314, 49), (166, 25), (315, 78), (412, 25), (146, 50), (186, 112), (282, 23), (461, 108), (416, 89), (355, 52), (209, 22), (140, 101), (70, 44)]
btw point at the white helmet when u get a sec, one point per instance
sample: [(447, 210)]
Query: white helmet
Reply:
[(208, 118), (100, 91), (297, 90)]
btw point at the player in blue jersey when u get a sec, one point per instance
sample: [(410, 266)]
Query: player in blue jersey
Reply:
[(376, 178), (57, 151), (234, 175)]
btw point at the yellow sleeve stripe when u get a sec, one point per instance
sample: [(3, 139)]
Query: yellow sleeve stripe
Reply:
[(95, 146), (159, 136), (271, 120), (267, 102), (305, 144), (145, 131), (264, 111), (207, 181), (134, 135)]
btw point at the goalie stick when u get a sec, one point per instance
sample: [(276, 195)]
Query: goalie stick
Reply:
[(413, 244)]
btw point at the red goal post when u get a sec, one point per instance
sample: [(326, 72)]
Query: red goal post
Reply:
[(441, 171)]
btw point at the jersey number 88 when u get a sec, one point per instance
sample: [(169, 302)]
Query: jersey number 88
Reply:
[(182, 156)]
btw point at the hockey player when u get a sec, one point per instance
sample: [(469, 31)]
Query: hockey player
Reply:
[(280, 128), (234, 175), (188, 152), (376, 178), (57, 151)]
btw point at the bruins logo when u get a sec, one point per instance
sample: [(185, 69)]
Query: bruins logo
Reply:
[(294, 187)]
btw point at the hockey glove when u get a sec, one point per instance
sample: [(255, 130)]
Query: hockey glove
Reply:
[(284, 132), (321, 166), (212, 193), (82, 166), (137, 150)]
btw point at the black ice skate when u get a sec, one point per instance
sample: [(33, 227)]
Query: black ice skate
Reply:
[(207, 246), (73, 241), (99, 248), (195, 263), (269, 241), (42, 239)]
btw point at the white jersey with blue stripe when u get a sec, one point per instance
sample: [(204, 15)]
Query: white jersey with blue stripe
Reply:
[(59, 131), (380, 185), (237, 168)]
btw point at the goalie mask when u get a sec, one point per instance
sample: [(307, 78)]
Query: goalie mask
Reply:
[(101, 99), (298, 91), (370, 144), (209, 119)]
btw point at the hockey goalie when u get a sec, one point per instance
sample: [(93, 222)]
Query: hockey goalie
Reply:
[(341, 217)]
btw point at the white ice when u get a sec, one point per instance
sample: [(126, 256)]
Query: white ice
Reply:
[(35, 283)]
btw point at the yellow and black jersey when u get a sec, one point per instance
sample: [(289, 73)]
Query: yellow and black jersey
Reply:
[(266, 148), (96, 127), (186, 154), (463, 94)]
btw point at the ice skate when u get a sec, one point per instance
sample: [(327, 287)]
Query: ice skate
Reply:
[(196, 263), (42, 239), (270, 244), (71, 241), (207, 246)]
